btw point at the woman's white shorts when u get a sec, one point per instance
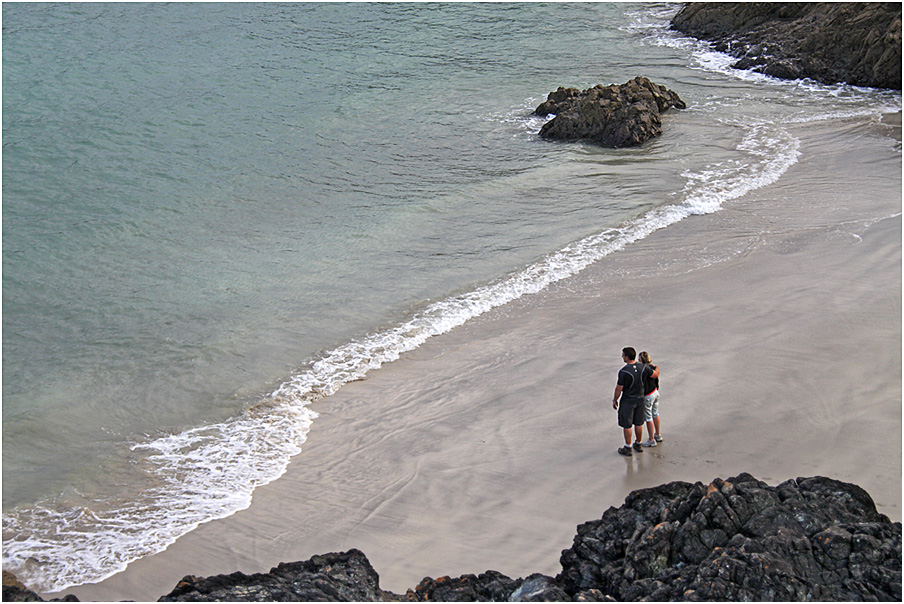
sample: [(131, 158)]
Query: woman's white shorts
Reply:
[(651, 406)]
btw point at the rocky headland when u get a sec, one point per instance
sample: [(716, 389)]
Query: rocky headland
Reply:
[(854, 42), (736, 539), (612, 116)]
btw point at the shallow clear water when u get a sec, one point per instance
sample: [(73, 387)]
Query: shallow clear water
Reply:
[(216, 214)]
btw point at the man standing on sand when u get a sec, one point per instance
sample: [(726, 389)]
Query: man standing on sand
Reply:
[(631, 407)]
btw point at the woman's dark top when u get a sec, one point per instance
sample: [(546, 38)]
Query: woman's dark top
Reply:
[(650, 384)]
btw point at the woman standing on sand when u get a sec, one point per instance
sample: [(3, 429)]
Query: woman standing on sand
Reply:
[(651, 403)]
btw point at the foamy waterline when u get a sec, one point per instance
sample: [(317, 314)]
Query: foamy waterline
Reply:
[(211, 471)]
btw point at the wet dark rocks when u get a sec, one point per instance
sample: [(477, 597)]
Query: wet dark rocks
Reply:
[(731, 540), (612, 116), (830, 42), (739, 539), (335, 577), (14, 591), (490, 586)]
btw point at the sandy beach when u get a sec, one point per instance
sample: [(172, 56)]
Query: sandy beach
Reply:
[(777, 326)]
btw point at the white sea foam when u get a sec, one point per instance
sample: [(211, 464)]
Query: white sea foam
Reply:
[(653, 24), (201, 474), (211, 471)]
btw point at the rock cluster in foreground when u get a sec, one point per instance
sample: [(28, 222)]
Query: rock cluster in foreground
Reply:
[(736, 539), (854, 42), (612, 116)]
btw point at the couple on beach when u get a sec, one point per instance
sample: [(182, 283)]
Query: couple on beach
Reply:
[(638, 387)]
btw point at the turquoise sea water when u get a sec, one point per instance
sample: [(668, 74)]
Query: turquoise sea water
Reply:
[(215, 215)]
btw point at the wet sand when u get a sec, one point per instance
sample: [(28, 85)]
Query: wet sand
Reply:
[(777, 326)]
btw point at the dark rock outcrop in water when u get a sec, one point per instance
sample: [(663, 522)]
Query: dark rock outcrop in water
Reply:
[(854, 42), (612, 116), (732, 540)]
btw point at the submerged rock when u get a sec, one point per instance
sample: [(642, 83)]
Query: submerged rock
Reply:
[(731, 540), (612, 116), (854, 42)]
